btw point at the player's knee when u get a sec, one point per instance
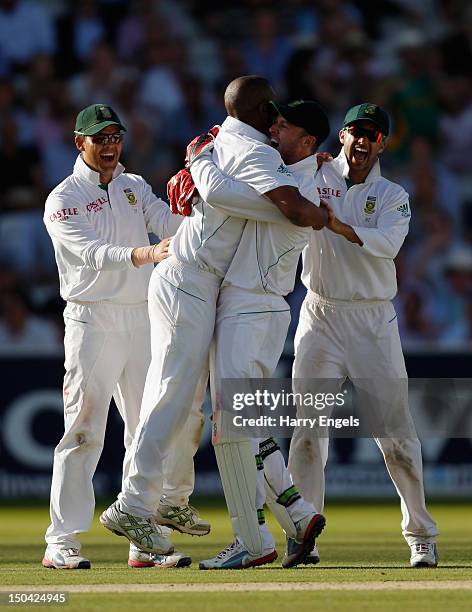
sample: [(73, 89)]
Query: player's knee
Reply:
[(80, 441)]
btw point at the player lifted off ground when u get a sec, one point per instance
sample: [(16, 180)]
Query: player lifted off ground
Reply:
[(183, 295), (97, 218), (348, 326), (252, 315)]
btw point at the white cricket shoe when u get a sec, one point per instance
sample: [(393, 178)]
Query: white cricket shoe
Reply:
[(423, 554), (298, 550), (140, 558), (182, 518), (140, 531), (236, 556), (57, 557)]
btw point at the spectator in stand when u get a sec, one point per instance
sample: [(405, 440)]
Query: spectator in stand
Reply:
[(99, 79), (453, 299), (200, 110), (456, 125), (20, 330), (456, 44), (59, 156), (25, 29), (22, 179), (147, 156), (10, 108), (268, 51), (300, 82), (431, 184), (415, 103), (160, 89)]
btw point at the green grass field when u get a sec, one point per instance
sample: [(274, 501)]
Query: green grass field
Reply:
[(361, 544)]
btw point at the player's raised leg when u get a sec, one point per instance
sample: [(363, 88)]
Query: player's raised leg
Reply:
[(299, 519)]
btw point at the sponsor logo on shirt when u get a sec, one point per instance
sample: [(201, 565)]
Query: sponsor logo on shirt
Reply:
[(284, 170), (97, 205), (131, 197), (327, 192), (63, 214), (404, 210), (370, 203)]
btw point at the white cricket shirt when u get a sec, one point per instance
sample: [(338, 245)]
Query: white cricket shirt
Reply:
[(94, 231), (379, 212), (210, 236)]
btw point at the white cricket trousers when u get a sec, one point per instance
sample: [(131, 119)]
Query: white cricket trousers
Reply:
[(335, 340), (249, 338), (182, 306), (250, 333), (107, 354)]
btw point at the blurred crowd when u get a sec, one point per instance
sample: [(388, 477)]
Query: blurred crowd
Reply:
[(164, 64)]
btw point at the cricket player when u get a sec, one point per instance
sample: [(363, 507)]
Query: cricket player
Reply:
[(348, 326), (97, 218), (252, 315), (183, 294)]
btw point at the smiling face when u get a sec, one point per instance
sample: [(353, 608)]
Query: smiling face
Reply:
[(103, 157), (362, 143), (292, 141)]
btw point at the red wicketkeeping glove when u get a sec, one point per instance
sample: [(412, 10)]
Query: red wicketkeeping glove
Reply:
[(182, 193), (200, 144)]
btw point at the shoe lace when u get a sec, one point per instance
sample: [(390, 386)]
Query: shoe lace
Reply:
[(422, 548), (183, 514), (72, 552), (228, 550)]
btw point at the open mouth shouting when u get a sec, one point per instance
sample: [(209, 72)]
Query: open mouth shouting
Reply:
[(108, 158), (360, 154)]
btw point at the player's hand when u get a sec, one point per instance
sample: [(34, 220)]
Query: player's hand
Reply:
[(201, 144), (322, 157), (161, 251), (140, 256), (182, 193)]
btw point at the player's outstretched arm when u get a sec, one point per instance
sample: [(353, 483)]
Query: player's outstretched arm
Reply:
[(298, 209), (233, 197)]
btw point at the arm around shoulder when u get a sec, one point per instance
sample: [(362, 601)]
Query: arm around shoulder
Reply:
[(298, 209)]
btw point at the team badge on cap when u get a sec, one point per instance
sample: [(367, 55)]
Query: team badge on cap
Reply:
[(105, 112), (370, 109)]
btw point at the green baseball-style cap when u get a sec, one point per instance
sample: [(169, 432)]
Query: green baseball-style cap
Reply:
[(308, 114), (95, 118), (369, 112)]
